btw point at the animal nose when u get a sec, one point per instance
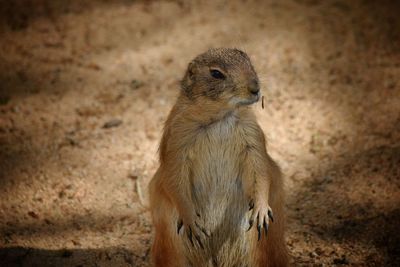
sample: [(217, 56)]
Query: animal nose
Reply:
[(254, 87)]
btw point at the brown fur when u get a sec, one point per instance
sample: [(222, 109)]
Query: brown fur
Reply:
[(213, 163)]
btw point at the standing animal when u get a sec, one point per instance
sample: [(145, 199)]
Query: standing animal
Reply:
[(217, 197)]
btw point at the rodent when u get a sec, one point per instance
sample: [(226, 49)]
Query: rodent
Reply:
[(216, 179)]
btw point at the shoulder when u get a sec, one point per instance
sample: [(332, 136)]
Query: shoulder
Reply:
[(250, 128), (179, 131)]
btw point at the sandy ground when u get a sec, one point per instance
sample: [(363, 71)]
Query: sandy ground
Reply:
[(85, 87)]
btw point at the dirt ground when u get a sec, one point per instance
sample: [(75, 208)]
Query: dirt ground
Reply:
[(85, 87)]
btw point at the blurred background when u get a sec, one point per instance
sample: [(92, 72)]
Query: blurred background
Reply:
[(85, 87)]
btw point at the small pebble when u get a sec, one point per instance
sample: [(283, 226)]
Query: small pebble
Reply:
[(112, 123), (33, 214), (136, 84)]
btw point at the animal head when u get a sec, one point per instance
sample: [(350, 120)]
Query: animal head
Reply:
[(222, 74)]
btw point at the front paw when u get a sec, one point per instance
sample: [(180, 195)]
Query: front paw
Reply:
[(261, 213), (193, 229)]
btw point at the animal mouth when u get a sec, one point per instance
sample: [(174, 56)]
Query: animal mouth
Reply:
[(257, 97), (251, 100), (254, 98), (245, 100)]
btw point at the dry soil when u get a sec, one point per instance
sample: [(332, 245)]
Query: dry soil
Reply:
[(85, 87)]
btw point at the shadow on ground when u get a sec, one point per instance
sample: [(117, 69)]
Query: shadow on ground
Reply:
[(17, 15), (357, 196), (32, 257)]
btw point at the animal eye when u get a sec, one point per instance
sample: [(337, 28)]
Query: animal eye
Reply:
[(217, 74)]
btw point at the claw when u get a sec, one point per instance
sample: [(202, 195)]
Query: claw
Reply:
[(259, 232), (202, 229), (270, 215), (179, 226), (250, 225), (265, 228), (190, 235), (251, 205), (205, 232), (199, 241)]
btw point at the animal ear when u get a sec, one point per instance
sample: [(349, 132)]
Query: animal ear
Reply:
[(188, 79), (191, 70), (243, 54)]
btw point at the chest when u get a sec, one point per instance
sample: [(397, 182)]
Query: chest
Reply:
[(217, 149), (221, 138)]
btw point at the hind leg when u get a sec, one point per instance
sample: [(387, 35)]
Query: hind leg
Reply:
[(165, 251), (272, 250), (167, 248)]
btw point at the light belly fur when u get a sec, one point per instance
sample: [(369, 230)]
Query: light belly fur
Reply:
[(218, 195)]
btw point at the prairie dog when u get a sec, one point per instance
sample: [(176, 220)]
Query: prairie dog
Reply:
[(216, 179)]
